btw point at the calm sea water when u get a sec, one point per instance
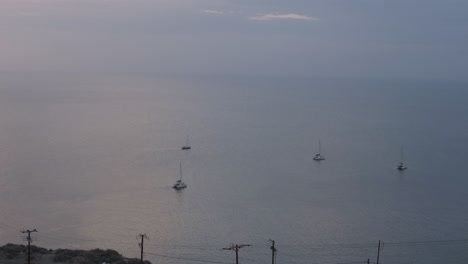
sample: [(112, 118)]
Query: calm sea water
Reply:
[(89, 161)]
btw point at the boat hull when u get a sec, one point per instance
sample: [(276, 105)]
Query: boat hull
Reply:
[(319, 157), (179, 187)]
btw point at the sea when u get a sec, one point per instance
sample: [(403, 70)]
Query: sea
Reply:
[(89, 161)]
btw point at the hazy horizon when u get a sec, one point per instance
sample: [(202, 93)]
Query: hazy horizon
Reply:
[(412, 39)]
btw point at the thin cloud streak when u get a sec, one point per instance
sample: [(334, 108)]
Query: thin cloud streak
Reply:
[(213, 12), (283, 16), (21, 14)]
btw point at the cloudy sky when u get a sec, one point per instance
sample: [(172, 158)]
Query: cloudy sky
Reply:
[(404, 39)]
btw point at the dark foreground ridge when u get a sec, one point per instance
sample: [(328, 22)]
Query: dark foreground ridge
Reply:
[(12, 254)]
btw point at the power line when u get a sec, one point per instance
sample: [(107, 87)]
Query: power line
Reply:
[(9, 226), (61, 238), (236, 248), (329, 246), (106, 241), (29, 242), (273, 251), (189, 259), (304, 246), (369, 245), (143, 237), (294, 246), (288, 252), (428, 242), (378, 253)]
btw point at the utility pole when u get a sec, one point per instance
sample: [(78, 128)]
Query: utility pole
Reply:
[(378, 253), (236, 249), (273, 251), (143, 237), (29, 242)]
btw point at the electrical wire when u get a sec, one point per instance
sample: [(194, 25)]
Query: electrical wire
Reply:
[(188, 259), (428, 242), (8, 226), (287, 248), (300, 246)]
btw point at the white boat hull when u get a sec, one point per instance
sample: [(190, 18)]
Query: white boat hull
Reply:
[(179, 186), (319, 157)]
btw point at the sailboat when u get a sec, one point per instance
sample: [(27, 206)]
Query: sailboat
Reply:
[(319, 156), (187, 145), (179, 183), (402, 166)]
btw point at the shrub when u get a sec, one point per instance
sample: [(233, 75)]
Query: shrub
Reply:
[(67, 255), (11, 251), (100, 256)]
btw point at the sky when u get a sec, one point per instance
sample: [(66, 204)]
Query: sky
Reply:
[(397, 39)]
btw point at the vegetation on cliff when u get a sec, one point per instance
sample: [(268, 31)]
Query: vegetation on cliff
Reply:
[(72, 256)]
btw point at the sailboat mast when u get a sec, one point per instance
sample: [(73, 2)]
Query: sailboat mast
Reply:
[(180, 170), (320, 147), (402, 157)]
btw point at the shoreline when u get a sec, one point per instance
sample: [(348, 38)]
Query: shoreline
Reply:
[(14, 253)]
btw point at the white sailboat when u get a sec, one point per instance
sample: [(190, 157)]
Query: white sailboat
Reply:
[(179, 183), (187, 145), (319, 156), (402, 165)]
